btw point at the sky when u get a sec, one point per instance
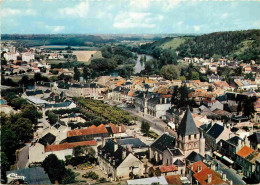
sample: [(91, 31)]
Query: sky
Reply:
[(127, 16)]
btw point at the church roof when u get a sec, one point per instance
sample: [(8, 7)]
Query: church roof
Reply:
[(187, 125)]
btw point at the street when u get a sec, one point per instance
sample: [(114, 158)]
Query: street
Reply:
[(23, 157), (230, 173)]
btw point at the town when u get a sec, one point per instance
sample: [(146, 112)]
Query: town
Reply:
[(133, 130), (126, 92)]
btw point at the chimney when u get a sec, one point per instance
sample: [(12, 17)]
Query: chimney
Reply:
[(191, 167), (124, 155), (213, 167), (120, 128), (160, 100), (114, 162), (115, 147), (199, 168), (103, 142), (105, 155), (224, 177), (165, 100), (209, 178)]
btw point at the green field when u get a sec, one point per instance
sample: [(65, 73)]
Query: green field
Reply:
[(97, 55), (174, 43)]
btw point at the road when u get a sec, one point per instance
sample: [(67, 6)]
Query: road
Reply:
[(230, 173), (23, 157)]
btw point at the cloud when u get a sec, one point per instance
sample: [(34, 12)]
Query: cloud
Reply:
[(7, 12), (139, 4), (180, 23), (169, 4), (224, 15), (197, 27), (79, 10), (54, 29), (136, 20)]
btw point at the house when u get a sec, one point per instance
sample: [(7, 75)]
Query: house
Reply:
[(230, 147), (214, 78), (88, 133), (27, 57), (11, 56), (159, 146), (215, 134), (63, 105), (199, 173), (133, 144), (117, 162), (38, 151), (61, 150), (254, 140), (35, 175), (246, 161), (257, 170)]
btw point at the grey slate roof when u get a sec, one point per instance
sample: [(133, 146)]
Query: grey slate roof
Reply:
[(194, 157), (234, 140), (48, 139), (163, 142), (255, 137), (175, 152), (35, 175), (215, 130), (134, 142), (178, 162), (187, 125)]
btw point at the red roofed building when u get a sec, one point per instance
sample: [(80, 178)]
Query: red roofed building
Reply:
[(199, 173), (245, 151), (167, 170), (92, 131), (173, 179), (65, 146)]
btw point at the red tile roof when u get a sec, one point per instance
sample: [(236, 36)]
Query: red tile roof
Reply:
[(101, 129), (245, 151), (195, 166), (65, 146), (115, 129), (173, 179), (202, 177), (170, 168)]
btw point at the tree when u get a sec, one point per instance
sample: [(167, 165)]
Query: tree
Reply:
[(76, 73), (145, 127), (69, 177), (9, 143), (23, 129), (30, 111), (195, 75), (210, 88), (18, 102), (249, 107), (54, 167), (86, 72), (52, 117), (5, 165), (170, 72), (78, 151)]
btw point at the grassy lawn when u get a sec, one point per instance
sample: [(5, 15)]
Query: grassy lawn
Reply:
[(244, 45), (174, 43), (97, 55)]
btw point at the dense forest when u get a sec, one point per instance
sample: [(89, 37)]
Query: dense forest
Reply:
[(241, 45)]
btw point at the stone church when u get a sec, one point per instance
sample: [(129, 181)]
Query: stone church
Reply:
[(187, 146)]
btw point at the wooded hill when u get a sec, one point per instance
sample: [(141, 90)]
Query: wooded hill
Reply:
[(241, 45)]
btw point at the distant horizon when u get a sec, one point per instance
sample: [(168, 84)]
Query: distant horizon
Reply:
[(183, 34), (128, 16)]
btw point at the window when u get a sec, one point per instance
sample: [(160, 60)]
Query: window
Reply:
[(189, 137), (195, 136)]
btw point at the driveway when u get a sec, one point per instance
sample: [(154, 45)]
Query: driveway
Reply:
[(23, 157)]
